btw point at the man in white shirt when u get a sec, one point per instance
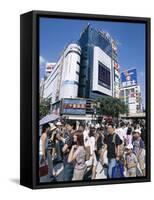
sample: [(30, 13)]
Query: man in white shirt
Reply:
[(122, 131)]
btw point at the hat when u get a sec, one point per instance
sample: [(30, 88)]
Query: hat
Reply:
[(52, 127), (137, 131), (59, 123), (129, 146)]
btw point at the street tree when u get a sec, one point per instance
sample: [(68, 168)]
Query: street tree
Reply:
[(44, 107), (112, 107)]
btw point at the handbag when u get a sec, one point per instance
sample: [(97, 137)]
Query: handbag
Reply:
[(43, 170)]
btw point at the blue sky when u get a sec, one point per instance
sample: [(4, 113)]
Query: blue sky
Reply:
[(55, 34)]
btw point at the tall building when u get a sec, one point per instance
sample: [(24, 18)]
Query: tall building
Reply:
[(96, 68), (116, 70)]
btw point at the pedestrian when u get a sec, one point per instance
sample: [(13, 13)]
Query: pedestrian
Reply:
[(85, 130), (122, 132), (139, 150), (43, 141), (78, 155), (129, 136), (59, 141), (130, 161), (51, 151), (112, 143), (92, 141), (69, 142), (100, 145)]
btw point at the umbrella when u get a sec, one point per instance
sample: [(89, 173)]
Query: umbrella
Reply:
[(48, 118)]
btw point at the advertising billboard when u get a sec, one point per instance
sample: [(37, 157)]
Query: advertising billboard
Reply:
[(74, 106), (129, 78)]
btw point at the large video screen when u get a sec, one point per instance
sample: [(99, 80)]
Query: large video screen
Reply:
[(104, 76)]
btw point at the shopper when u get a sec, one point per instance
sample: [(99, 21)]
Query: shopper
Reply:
[(78, 155), (112, 143)]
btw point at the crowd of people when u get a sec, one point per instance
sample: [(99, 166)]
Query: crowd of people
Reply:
[(78, 148)]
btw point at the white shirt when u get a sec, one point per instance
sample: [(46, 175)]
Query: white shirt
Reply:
[(92, 145), (86, 138), (121, 132)]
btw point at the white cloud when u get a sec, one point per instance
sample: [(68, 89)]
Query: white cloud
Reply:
[(42, 60)]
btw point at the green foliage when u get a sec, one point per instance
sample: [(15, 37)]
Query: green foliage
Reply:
[(44, 108), (112, 107)]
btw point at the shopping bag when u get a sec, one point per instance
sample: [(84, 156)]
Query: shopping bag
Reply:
[(118, 170)]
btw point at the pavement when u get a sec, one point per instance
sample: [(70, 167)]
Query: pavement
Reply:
[(101, 173)]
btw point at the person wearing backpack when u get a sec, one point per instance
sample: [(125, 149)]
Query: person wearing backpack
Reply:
[(112, 145)]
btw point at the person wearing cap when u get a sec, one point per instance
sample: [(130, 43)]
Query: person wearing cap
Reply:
[(139, 150), (130, 161), (59, 126)]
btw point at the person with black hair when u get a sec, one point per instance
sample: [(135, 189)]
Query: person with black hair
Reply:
[(51, 136), (112, 145), (99, 143), (129, 136), (69, 142), (43, 140), (45, 149)]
